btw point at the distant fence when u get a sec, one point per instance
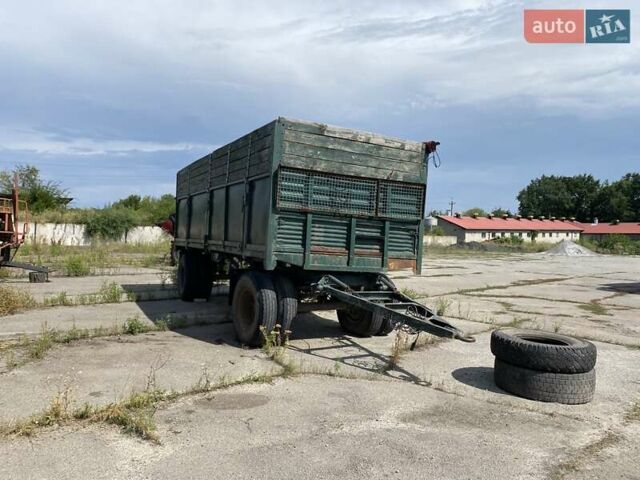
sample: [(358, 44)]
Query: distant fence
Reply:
[(440, 240), (75, 234)]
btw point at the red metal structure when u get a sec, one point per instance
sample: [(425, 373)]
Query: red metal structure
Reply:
[(14, 228), (14, 223)]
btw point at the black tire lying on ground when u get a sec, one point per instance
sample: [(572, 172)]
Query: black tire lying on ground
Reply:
[(543, 351), (567, 388)]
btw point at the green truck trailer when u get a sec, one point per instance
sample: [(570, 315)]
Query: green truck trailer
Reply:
[(301, 216)]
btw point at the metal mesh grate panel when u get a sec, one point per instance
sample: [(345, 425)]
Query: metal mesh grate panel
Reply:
[(312, 191), (400, 200)]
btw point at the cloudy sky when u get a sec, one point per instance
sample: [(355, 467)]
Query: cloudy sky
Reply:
[(112, 98)]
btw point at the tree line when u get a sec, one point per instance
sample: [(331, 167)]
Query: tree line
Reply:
[(49, 202), (583, 197)]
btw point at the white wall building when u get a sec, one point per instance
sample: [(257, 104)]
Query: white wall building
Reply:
[(482, 229)]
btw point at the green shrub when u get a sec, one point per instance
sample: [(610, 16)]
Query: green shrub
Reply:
[(110, 223), (510, 240), (110, 292), (76, 266), (13, 299), (619, 245), (134, 326)]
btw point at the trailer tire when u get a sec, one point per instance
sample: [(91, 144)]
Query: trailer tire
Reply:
[(360, 323), (205, 283), (186, 277), (386, 328), (194, 277), (287, 303), (544, 351), (254, 305), (567, 388)]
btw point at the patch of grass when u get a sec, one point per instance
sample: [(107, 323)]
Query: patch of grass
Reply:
[(398, 348), (520, 283), (442, 305), (574, 463), (408, 292), (57, 413), (274, 346), (134, 326), (633, 414), (37, 347), (60, 299), (76, 266), (594, 308), (110, 292), (13, 300)]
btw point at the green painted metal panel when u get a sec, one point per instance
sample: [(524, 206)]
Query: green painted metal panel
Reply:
[(218, 214), (402, 241), (198, 216), (259, 211), (330, 233), (182, 218), (401, 200), (235, 212), (290, 233), (304, 190)]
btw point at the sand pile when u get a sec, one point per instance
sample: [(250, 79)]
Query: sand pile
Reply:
[(569, 249)]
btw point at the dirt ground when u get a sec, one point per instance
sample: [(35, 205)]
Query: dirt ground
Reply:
[(330, 405)]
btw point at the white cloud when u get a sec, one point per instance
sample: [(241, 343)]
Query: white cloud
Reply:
[(27, 140), (345, 53)]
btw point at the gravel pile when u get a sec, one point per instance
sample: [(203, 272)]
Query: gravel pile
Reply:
[(569, 249)]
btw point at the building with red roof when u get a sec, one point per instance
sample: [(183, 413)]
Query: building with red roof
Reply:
[(598, 231), (482, 228)]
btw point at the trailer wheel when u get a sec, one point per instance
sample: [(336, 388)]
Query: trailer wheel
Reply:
[(567, 388), (287, 303), (194, 277), (386, 328), (360, 322), (254, 305), (543, 351)]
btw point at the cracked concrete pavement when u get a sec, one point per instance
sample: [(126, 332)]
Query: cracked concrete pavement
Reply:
[(437, 414)]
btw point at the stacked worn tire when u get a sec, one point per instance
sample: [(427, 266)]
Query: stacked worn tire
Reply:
[(544, 366)]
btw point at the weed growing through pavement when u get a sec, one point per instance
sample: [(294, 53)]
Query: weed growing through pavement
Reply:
[(633, 414), (442, 306), (398, 348), (134, 326), (13, 300), (594, 308), (76, 266), (408, 292)]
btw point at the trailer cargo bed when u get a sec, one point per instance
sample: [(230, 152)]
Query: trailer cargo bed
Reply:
[(304, 214), (310, 195)]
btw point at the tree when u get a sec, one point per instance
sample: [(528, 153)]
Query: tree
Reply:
[(499, 211), (132, 201), (560, 196), (475, 211), (41, 195)]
